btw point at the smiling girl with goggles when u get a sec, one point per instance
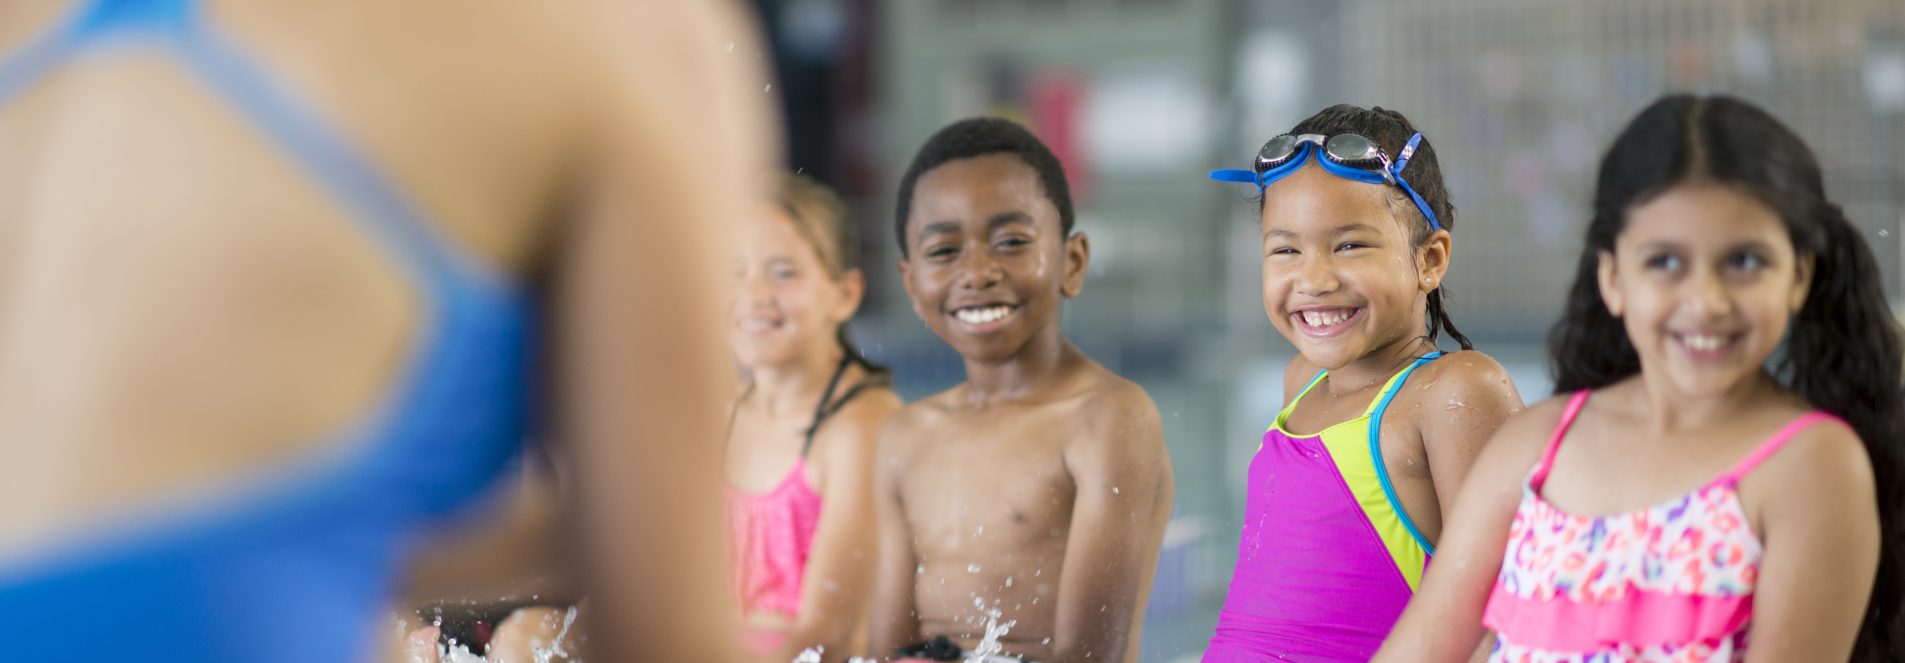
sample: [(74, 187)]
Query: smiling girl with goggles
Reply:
[(1348, 156)]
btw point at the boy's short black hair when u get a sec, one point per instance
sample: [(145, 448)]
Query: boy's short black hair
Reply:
[(981, 136)]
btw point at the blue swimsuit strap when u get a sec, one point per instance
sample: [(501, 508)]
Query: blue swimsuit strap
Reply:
[(318, 148), (467, 308), (1375, 451)]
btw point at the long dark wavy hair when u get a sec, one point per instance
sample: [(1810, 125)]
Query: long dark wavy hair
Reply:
[(1842, 353), (1391, 131)]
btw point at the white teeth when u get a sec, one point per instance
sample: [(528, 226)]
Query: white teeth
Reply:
[(980, 316), (1703, 342), (755, 326), (1326, 318)]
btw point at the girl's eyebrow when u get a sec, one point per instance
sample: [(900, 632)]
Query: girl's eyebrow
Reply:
[(1337, 232), (1668, 245), (1661, 245), (1753, 244)]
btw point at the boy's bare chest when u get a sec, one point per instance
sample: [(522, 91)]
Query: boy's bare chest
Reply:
[(988, 483)]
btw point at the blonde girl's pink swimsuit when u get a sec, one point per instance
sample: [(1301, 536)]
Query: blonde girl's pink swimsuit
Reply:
[(771, 533)]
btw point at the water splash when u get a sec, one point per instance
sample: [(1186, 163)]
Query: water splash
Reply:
[(455, 652), (544, 655), (989, 646), (812, 655)]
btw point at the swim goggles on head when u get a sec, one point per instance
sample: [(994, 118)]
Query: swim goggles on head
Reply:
[(1348, 156)]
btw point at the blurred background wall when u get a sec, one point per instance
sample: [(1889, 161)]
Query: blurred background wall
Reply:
[(1141, 97)]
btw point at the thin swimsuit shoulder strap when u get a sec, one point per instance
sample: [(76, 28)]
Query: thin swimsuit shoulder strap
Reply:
[(1778, 441), (1546, 464), (1389, 389), (830, 406), (1375, 412), (1283, 416)]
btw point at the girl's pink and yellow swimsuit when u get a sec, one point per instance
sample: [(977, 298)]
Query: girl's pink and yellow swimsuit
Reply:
[(1327, 557)]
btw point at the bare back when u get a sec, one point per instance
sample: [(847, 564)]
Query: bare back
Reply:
[(180, 302), (183, 304)]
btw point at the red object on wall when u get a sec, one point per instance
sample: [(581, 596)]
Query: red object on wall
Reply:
[(1055, 101)]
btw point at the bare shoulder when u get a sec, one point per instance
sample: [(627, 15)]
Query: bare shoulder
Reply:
[(857, 426), (899, 430), (1524, 437), (1825, 460), (1119, 410), (1470, 375)]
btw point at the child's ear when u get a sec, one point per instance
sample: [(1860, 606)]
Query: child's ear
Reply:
[(1803, 270), (1077, 257), (1432, 260), (1609, 280), (906, 279), (853, 290)]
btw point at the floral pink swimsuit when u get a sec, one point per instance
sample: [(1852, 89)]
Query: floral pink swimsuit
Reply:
[(1671, 582)]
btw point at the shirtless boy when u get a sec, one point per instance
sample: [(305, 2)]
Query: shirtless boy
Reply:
[(1038, 488)]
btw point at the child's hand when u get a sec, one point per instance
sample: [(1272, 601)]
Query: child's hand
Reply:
[(418, 646)]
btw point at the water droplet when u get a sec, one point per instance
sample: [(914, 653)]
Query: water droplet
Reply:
[(769, 88), (919, 570), (972, 568), (730, 47), (1885, 233), (979, 531), (1008, 581), (1046, 641), (1114, 490)]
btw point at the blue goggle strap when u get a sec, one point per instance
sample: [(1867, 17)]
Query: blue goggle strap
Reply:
[(1310, 152)]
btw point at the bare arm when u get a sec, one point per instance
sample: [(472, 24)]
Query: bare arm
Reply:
[(1479, 397), (1122, 472), (1452, 439), (640, 372), (1444, 620), (1820, 525), (895, 619), (839, 574)]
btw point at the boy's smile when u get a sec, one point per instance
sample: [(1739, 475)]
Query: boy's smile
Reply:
[(987, 261)]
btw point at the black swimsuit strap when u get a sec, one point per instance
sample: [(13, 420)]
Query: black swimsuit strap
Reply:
[(822, 409), (876, 382), (828, 405)]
